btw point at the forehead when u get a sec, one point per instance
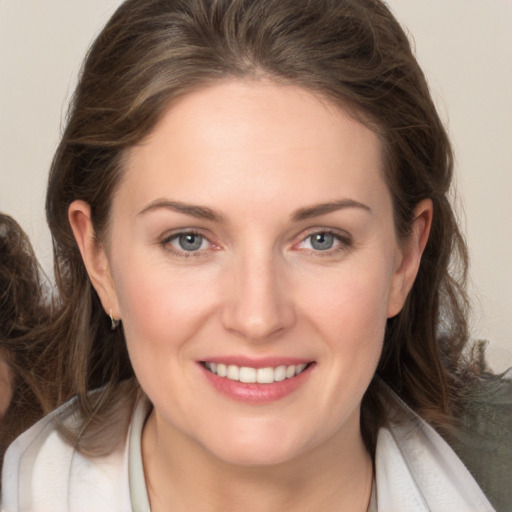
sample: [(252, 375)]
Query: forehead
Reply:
[(252, 137)]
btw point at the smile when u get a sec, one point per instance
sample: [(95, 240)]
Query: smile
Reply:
[(249, 375)]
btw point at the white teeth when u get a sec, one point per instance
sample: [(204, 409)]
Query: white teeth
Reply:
[(280, 373), (247, 374), (250, 375), (221, 370), (299, 368), (233, 372), (265, 375)]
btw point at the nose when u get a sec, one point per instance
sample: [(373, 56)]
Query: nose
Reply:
[(257, 306)]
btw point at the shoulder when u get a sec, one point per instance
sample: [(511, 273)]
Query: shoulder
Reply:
[(417, 470), (32, 458), (43, 472), (484, 440)]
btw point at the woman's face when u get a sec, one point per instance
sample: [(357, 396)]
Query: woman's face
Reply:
[(252, 238)]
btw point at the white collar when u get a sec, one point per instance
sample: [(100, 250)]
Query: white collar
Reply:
[(416, 470)]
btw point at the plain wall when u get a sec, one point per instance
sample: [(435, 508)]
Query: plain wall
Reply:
[(464, 46)]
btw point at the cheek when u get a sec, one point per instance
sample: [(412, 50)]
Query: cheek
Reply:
[(159, 305), (352, 304), (357, 320), (161, 312), (347, 313)]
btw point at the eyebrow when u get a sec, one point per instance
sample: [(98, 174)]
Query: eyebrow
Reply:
[(200, 212), (324, 208), (205, 213)]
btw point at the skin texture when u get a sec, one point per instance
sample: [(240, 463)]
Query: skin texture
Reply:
[(259, 156)]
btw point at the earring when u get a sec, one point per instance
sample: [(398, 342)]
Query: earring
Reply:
[(113, 322)]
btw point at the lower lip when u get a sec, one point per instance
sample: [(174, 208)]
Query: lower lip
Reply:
[(257, 393)]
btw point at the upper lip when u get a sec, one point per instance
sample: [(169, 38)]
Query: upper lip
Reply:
[(250, 362)]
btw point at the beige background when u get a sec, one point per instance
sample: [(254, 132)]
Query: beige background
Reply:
[(464, 46)]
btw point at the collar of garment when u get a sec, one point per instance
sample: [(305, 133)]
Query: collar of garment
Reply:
[(415, 469)]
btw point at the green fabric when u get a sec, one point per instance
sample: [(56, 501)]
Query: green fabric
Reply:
[(484, 441)]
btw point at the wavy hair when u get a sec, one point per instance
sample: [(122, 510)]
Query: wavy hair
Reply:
[(351, 52), (25, 310)]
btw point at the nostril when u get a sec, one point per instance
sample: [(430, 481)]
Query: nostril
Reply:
[(256, 306)]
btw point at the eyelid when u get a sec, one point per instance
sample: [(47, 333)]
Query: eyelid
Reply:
[(344, 239), (168, 237)]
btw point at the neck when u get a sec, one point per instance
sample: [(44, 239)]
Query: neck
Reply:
[(334, 476)]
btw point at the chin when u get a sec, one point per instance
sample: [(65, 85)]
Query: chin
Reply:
[(257, 447), (253, 456)]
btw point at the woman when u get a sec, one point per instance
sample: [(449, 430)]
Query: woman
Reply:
[(252, 238)]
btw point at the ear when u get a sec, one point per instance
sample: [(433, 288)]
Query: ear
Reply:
[(409, 257), (94, 255)]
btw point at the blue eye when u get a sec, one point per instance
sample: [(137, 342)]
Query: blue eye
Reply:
[(186, 243), (322, 241), (189, 241), (325, 242)]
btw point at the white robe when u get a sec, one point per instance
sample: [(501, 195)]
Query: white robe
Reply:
[(415, 471)]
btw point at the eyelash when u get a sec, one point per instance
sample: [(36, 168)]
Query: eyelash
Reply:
[(166, 243), (344, 243)]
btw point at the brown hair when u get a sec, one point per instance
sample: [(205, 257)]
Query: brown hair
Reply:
[(25, 308), (354, 53)]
